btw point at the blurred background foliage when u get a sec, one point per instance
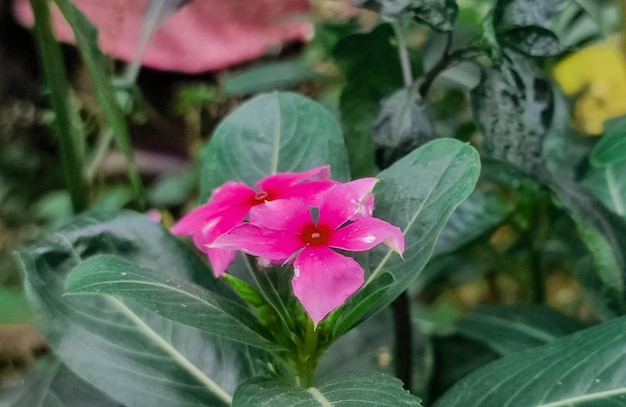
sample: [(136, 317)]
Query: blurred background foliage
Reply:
[(536, 85)]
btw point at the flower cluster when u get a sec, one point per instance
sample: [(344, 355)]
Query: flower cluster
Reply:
[(297, 218)]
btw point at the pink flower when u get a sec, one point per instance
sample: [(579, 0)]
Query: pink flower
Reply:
[(229, 205), (285, 230)]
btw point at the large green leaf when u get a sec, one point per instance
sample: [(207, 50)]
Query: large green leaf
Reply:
[(126, 351), (51, 383), (349, 390), (170, 297), (587, 368), (274, 132), (418, 193), (514, 109), (511, 329)]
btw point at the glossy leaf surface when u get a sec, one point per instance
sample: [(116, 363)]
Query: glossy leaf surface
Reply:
[(350, 390), (587, 368), (274, 132)]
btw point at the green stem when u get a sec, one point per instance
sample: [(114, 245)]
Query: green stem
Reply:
[(114, 116), (403, 339), (405, 62), (56, 79), (307, 358)]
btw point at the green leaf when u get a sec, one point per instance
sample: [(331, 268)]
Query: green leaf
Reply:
[(418, 193), (608, 186), (50, 383), (403, 124), (527, 12), (438, 14), (583, 369), (512, 329), (271, 133), (533, 40), (612, 146), (128, 352), (174, 188), (514, 109), (169, 297), (14, 307), (264, 77), (87, 40), (482, 211), (70, 139), (365, 88), (355, 389), (602, 232), (358, 304)]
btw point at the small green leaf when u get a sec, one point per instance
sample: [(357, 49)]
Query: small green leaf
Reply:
[(274, 132), (265, 77), (587, 368), (403, 124), (607, 184), (167, 296), (612, 146), (349, 390), (527, 12), (533, 41)]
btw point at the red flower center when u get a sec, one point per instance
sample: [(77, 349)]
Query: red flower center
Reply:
[(260, 197), (315, 235)]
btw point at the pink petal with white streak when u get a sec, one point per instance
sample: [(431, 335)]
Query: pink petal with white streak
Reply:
[(343, 202), (365, 233)]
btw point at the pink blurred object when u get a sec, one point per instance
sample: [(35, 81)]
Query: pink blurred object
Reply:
[(203, 35)]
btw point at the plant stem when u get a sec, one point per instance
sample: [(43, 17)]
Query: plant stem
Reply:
[(405, 63), (447, 59), (403, 339), (56, 79), (104, 92), (308, 355)]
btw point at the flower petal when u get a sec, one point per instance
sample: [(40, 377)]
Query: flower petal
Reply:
[(220, 259), (231, 194), (231, 202), (365, 233), (275, 245), (324, 279), (284, 214), (283, 180), (343, 202)]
